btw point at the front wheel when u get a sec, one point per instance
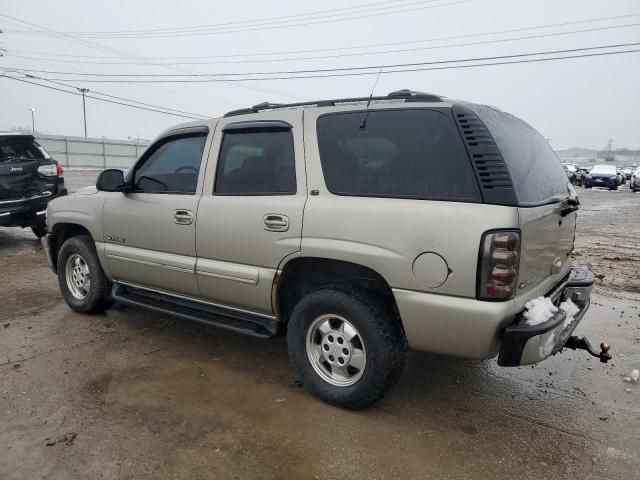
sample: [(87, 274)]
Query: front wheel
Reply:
[(83, 284), (345, 346)]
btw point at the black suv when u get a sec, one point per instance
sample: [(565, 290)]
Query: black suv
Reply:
[(29, 179)]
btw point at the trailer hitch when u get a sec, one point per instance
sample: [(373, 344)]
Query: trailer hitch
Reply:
[(581, 343)]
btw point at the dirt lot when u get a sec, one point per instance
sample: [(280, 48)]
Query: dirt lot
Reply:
[(135, 395)]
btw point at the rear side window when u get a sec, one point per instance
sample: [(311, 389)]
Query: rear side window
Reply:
[(536, 172), (20, 147), (409, 153), (254, 162)]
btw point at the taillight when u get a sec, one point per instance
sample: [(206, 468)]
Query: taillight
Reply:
[(59, 169), (48, 170), (499, 261)]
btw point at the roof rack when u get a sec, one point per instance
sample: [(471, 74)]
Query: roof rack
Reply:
[(407, 95)]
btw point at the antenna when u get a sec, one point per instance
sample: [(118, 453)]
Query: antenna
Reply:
[(363, 125)]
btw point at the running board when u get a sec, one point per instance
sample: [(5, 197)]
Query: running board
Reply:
[(230, 319)]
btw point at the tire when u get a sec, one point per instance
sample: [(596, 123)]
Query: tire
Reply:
[(79, 254), (379, 338), (39, 230), (614, 188)]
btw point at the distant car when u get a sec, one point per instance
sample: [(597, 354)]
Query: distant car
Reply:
[(634, 182), (628, 171), (573, 173), (29, 179), (621, 177), (602, 176)]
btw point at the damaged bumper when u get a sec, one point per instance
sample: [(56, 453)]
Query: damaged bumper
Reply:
[(526, 344)]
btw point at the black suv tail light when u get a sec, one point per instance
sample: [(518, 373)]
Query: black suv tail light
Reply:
[(499, 261)]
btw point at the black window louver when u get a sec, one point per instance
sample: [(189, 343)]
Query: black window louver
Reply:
[(489, 166)]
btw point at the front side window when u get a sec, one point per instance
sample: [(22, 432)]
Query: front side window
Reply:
[(254, 162), (172, 167), (409, 153)]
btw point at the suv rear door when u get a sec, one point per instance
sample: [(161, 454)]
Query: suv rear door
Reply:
[(547, 221), (250, 213), (150, 232)]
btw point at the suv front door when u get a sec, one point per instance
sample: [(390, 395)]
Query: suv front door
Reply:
[(150, 232), (250, 213)]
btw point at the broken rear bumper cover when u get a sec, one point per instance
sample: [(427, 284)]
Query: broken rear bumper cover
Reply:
[(526, 344)]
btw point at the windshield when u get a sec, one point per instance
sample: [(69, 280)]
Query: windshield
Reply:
[(604, 170), (20, 146)]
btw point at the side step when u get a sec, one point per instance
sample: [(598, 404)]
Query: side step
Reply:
[(230, 319)]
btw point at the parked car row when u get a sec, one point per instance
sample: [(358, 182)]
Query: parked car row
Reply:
[(607, 176)]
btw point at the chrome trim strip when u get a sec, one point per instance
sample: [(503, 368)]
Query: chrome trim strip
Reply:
[(152, 264), (41, 212), (226, 277), (192, 299), (5, 214)]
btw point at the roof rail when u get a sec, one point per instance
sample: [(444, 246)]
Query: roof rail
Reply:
[(406, 94)]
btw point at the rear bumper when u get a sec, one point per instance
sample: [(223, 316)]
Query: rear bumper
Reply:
[(27, 212), (523, 344), (470, 328)]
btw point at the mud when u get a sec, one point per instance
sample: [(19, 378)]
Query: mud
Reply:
[(133, 395)]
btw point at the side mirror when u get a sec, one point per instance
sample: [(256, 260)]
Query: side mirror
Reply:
[(111, 180)]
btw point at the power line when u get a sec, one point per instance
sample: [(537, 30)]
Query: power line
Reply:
[(259, 21), (352, 47), (97, 98), (341, 69), (98, 46), (106, 94), (318, 20), (359, 73), (485, 42)]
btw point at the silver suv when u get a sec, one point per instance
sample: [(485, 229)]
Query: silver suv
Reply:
[(360, 226)]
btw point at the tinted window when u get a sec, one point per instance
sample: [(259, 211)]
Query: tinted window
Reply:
[(256, 163), (409, 153), (20, 147), (536, 172), (172, 167)]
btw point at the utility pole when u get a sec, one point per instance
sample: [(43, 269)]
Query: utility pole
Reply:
[(84, 109), (33, 120)]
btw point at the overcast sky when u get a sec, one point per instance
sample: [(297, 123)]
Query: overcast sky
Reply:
[(573, 102)]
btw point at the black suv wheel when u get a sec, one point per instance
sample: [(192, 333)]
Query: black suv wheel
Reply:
[(82, 281), (39, 230), (346, 346)]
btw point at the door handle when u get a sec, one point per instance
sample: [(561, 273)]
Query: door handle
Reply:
[(183, 217), (274, 222)]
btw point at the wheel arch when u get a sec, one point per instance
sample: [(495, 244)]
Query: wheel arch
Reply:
[(300, 275), (60, 233)]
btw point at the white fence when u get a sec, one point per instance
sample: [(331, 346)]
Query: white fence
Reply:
[(92, 152)]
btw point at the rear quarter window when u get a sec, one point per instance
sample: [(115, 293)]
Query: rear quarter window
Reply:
[(536, 172), (407, 153)]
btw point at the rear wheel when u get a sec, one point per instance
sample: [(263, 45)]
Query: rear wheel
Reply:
[(346, 346), (82, 281), (39, 230)]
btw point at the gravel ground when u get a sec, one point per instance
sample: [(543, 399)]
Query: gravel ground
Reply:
[(133, 395)]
